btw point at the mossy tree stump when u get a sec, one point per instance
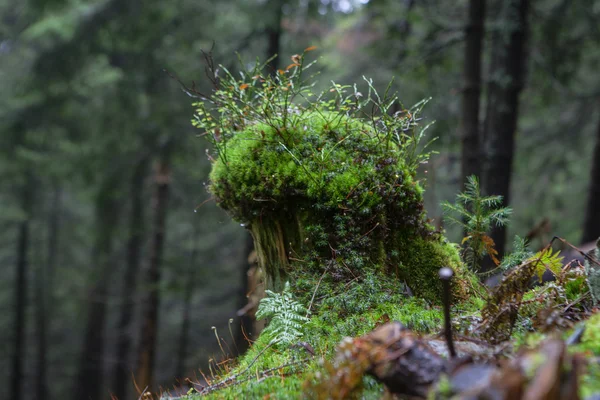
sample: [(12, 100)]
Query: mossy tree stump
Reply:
[(323, 195)]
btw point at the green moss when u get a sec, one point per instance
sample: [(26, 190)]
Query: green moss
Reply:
[(590, 344), (419, 260), (591, 337), (575, 287), (323, 184), (324, 332), (321, 156), (334, 207)]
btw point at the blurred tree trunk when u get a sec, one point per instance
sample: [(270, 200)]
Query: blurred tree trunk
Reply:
[(89, 379), (20, 288), (274, 33), (44, 288), (474, 33), (188, 292), (149, 325), (506, 82), (122, 372), (246, 329), (591, 225)]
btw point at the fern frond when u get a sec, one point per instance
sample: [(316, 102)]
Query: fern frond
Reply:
[(288, 316), (547, 261)]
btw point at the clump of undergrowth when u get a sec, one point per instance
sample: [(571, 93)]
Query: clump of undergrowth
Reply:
[(523, 303), (326, 182), (327, 185), (476, 215)]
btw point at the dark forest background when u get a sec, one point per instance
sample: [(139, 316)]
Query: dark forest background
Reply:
[(115, 262)]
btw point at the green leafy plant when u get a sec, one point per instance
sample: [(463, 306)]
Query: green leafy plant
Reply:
[(284, 99), (287, 316), (519, 254), (476, 214), (545, 259)]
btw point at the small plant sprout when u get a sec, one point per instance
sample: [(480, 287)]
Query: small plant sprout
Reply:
[(477, 214), (214, 328), (286, 314), (231, 335)]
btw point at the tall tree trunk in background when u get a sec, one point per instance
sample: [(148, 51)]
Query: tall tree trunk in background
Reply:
[(274, 31), (20, 289), (89, 380), (122, 371), (149, 325), (188, 292), (403, 29), (474, 33), (506, 83), (44, 287), (591, 225), (245, 329)]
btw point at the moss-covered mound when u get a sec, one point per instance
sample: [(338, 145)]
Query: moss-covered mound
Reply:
[(323, 189), (335, 209)]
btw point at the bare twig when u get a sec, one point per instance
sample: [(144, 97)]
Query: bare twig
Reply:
[(587, 257), (315, 292), (143, 392), (233, 380)]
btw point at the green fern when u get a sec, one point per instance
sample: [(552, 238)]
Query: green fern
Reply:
[(548, 260), (286, 314), (476, 214)]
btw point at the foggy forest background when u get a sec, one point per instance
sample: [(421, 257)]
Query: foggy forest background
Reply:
[(113, 256)]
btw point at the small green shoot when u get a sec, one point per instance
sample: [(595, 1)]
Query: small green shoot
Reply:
[(287, 316), (476, 214)]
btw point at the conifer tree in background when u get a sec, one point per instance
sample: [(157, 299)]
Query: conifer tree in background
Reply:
[(474, 34), (149, 325), (507, 79), (591, 224), (90, 377), (20, 289), (122, 370), (44, 294), (274, 32)]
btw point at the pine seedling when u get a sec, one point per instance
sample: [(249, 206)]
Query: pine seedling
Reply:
[(519, 254), (477, 214)]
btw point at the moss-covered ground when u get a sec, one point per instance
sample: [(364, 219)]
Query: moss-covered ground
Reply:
[(335, 209), (324, 332), (289, 370)]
